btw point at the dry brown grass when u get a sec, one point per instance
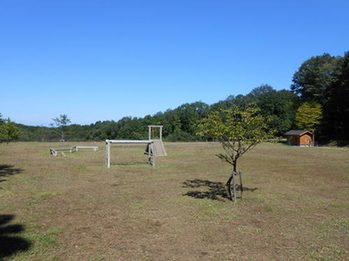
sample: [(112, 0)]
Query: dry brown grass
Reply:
[(74, 208)]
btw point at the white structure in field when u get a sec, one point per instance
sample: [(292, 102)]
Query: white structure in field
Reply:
[(149, 143), (155, 147), (155, 134)]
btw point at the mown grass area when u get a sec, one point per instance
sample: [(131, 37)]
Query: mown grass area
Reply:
[(71, 207)]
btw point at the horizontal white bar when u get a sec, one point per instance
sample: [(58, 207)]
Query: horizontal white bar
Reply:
[(129, 141)]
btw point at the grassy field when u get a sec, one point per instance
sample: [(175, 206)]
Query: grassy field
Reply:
[(71, 207)]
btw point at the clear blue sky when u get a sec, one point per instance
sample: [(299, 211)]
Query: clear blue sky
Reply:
[(106, 59)]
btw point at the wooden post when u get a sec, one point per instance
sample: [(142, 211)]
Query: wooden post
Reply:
[(233, 183), (155, 126), (107, 153), (152, 155), (234, 187), (241, 185)]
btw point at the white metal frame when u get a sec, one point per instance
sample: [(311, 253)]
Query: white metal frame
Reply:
[(150, 142)]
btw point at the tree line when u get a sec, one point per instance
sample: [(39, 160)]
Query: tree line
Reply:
[(318, 100)]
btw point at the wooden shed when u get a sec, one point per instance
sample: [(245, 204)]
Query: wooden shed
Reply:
[(300, 138)]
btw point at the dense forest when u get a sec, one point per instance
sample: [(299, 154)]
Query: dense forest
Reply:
[(318, 100)]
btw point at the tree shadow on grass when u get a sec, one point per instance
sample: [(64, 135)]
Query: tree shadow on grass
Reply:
[(8, 170), (10, 244), (216, 190)]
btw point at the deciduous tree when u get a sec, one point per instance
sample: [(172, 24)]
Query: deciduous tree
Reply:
[(315, 76), (61, 122), (279, 106), (238, 130), (336, 111), (8, 131), (308, 116)]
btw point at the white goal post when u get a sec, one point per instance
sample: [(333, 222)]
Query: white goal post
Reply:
[(149, 142)]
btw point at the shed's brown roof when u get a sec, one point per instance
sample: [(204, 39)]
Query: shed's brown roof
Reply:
[(297, 132)]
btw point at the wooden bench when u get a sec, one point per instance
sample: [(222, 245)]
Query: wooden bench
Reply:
[(54, 152), (95, 148)]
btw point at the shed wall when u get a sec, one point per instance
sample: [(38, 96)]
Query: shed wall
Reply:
[(306, 140), (296, 140), (292, 140)]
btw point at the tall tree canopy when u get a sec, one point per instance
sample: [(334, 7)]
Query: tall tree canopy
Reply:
[(336, 111), (315, 76), (279, 107)]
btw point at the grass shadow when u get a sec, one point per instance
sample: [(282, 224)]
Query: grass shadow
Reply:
[(8, 170), (10, 244), (216, 190)]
